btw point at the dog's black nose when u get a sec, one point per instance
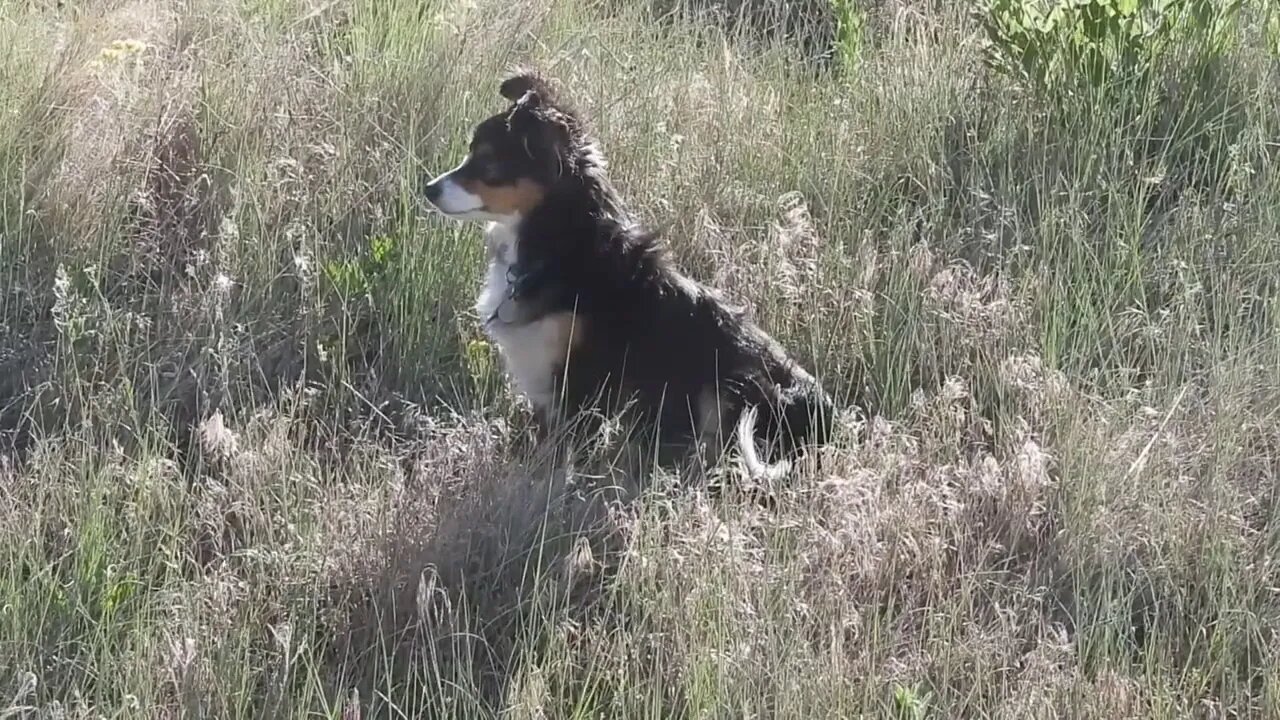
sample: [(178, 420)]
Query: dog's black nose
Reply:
[(432, 191)]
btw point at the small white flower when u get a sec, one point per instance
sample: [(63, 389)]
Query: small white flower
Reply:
[(182, 654), (61, 281), (26, 687), (283, 635)]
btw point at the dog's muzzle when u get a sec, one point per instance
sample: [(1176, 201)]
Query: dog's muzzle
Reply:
[(450, 198), (432, 191)]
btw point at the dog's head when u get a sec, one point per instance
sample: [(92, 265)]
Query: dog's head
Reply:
[(515, 157)]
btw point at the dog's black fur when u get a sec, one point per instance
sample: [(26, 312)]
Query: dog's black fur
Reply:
[(646, 339)]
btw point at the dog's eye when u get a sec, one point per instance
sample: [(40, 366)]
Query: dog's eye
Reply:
[(490, 172)]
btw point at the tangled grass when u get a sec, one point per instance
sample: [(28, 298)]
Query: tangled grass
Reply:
[(256, 460)]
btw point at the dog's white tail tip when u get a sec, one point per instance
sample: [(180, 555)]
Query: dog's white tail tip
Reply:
[(757, 468)]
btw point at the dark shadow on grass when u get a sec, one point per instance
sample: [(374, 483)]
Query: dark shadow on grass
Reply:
[(469, 586)]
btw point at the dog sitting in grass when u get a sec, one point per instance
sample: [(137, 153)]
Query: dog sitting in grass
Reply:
[(591, 316)]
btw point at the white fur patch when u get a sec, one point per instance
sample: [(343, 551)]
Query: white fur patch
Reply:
[(454, 199), (534, 352)]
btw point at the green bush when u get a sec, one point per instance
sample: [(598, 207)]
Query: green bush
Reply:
[(850, 25), (1068, 44)]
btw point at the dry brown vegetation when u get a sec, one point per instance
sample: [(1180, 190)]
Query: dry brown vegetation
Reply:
[(256, 462)]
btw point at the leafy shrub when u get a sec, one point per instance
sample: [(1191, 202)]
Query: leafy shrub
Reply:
[(850, 26), (1067, 44), (363, 277)]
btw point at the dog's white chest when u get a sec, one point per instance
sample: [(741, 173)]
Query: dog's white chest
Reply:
[(532, 352)]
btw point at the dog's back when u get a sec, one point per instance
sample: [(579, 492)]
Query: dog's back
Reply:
[(687, 362)]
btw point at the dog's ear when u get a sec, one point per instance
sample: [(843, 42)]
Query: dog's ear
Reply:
[(558, 131), (525, 87), (537, 109)]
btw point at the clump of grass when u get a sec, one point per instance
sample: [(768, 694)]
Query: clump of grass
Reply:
[(257, 461)]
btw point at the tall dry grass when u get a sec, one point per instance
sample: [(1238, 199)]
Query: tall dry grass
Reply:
[(257, 462)]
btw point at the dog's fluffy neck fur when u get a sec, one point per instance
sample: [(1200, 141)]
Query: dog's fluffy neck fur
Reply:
[(584, 231), (582, 196)]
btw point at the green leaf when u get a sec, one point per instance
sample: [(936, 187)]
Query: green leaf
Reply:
[(119, 593), (380, 248)]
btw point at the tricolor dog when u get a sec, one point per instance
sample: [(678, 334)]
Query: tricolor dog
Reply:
[(590, 314)]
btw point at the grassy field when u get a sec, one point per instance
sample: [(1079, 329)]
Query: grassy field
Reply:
[(257, 462)]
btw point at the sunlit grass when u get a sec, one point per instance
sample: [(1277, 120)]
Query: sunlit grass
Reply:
[(256, 459)]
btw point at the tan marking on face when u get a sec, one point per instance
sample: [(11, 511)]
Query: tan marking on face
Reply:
[(517, 199)]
